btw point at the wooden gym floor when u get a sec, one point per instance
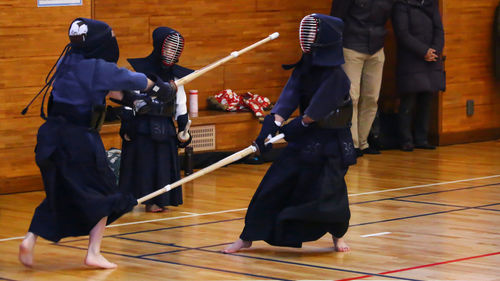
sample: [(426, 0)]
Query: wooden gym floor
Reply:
[(422, 215)]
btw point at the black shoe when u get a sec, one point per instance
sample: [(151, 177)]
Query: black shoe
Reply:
[(425, 146), (370, 150), (407, 147), (359, 153)]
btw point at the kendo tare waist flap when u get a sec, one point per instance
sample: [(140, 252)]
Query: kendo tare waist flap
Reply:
[(162, 109), (338, 118), (91, 119)]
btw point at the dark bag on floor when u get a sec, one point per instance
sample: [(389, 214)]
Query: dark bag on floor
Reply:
[(384, 131)]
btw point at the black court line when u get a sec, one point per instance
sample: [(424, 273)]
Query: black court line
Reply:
[(6, 279), (160, 253), (448, 205), (151, 230), (429, 203), (421, 215), (308, 265), (486, 209), (496, 210), (120, 236), (181, 264), (353, 225), (174, 227), (184, 248), (357, 203), (425, 193)]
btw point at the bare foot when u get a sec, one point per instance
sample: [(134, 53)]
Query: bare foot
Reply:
[(26, 250), (26, 253), (155, 209), (236, 246), (97, 260), (340, 245)]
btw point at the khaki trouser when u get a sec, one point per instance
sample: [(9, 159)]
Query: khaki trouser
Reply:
[(365, 73)]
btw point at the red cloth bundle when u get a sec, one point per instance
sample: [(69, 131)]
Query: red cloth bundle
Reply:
[(228, 100)]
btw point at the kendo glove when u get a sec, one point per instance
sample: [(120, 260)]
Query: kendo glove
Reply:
[(183, 135), (141, 103), (295, 129), (127, 128), (269, 127), (164, 91)]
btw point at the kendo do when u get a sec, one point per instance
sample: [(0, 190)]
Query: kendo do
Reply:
[(81, 192), (149, 147), (303, 195)]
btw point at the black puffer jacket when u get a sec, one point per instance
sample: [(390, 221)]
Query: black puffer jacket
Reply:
[(418, 27)]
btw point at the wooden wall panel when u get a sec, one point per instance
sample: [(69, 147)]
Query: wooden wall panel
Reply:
[(31, 39), (318, 6), (22, 13), (24, 42), (212, 30), (468, 48), (193, 8)]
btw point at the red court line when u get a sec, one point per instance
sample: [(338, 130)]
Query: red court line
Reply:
[(421, 266)]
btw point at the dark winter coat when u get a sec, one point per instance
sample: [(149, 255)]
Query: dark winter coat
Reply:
[(418, 27)]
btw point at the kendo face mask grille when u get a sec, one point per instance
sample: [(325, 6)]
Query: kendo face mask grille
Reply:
[(308, 32), (172, 48)]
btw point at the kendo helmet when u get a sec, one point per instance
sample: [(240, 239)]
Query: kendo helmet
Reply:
[(321, 37), (168, 44), (94, 39)]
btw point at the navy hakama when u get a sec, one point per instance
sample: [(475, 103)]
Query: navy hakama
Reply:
[(80, 187), (148, 164)]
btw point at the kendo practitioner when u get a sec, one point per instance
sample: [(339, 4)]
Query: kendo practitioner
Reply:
[(150, 159), (81, 192), (303, 194)]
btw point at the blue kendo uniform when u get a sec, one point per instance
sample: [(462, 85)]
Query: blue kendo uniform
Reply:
[(150, 157), (80, 187), (303, 194)]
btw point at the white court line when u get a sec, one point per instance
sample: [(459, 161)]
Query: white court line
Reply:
[(236, 210), (189, 213), (179, 217), (422, 185), (376, 234)]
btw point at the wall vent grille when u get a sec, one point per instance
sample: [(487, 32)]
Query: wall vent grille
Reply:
[(203, 138)]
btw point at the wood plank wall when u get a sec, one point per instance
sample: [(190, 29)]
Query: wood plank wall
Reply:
[(212, 30), (469, 65), (31, 38)]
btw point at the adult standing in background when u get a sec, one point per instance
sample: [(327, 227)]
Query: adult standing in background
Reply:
[(419, 73), (364, 36)]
